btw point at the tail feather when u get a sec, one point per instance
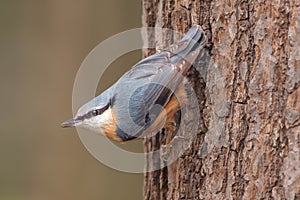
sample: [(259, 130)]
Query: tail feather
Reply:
[(183, 54), (192, 40)]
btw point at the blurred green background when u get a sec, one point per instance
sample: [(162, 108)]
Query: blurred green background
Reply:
[(43, 43)]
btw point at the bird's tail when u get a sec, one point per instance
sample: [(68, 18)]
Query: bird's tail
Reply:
[(188, 48)]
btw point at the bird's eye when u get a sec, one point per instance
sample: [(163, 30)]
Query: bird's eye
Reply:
[(95, 112)]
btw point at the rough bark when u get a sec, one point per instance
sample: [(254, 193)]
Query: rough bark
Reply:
[(248, 141)]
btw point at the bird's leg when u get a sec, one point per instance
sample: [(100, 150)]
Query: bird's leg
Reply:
[(169, 129)]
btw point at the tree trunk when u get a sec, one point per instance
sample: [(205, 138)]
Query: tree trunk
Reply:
[(247, 145)]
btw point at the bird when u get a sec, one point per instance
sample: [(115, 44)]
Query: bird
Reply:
[(146, 98)]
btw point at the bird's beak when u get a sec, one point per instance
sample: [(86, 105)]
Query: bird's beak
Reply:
[(70, 123)]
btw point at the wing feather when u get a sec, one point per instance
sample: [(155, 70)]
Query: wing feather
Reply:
[(143, 89)]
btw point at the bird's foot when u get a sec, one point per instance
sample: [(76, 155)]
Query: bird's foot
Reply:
[(165, 151)]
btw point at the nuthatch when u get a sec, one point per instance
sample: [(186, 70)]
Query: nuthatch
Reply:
[(143, 100)]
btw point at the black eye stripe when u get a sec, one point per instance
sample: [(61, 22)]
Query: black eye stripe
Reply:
[(95, 112)]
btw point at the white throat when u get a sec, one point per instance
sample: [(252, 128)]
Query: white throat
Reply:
[(99, 122)]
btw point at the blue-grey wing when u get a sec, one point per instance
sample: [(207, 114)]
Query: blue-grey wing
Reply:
[(138, 91)]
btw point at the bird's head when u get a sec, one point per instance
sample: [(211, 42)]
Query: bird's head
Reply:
[(97, 116)]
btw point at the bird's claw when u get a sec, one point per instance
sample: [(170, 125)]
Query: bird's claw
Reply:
[(165, 151)]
